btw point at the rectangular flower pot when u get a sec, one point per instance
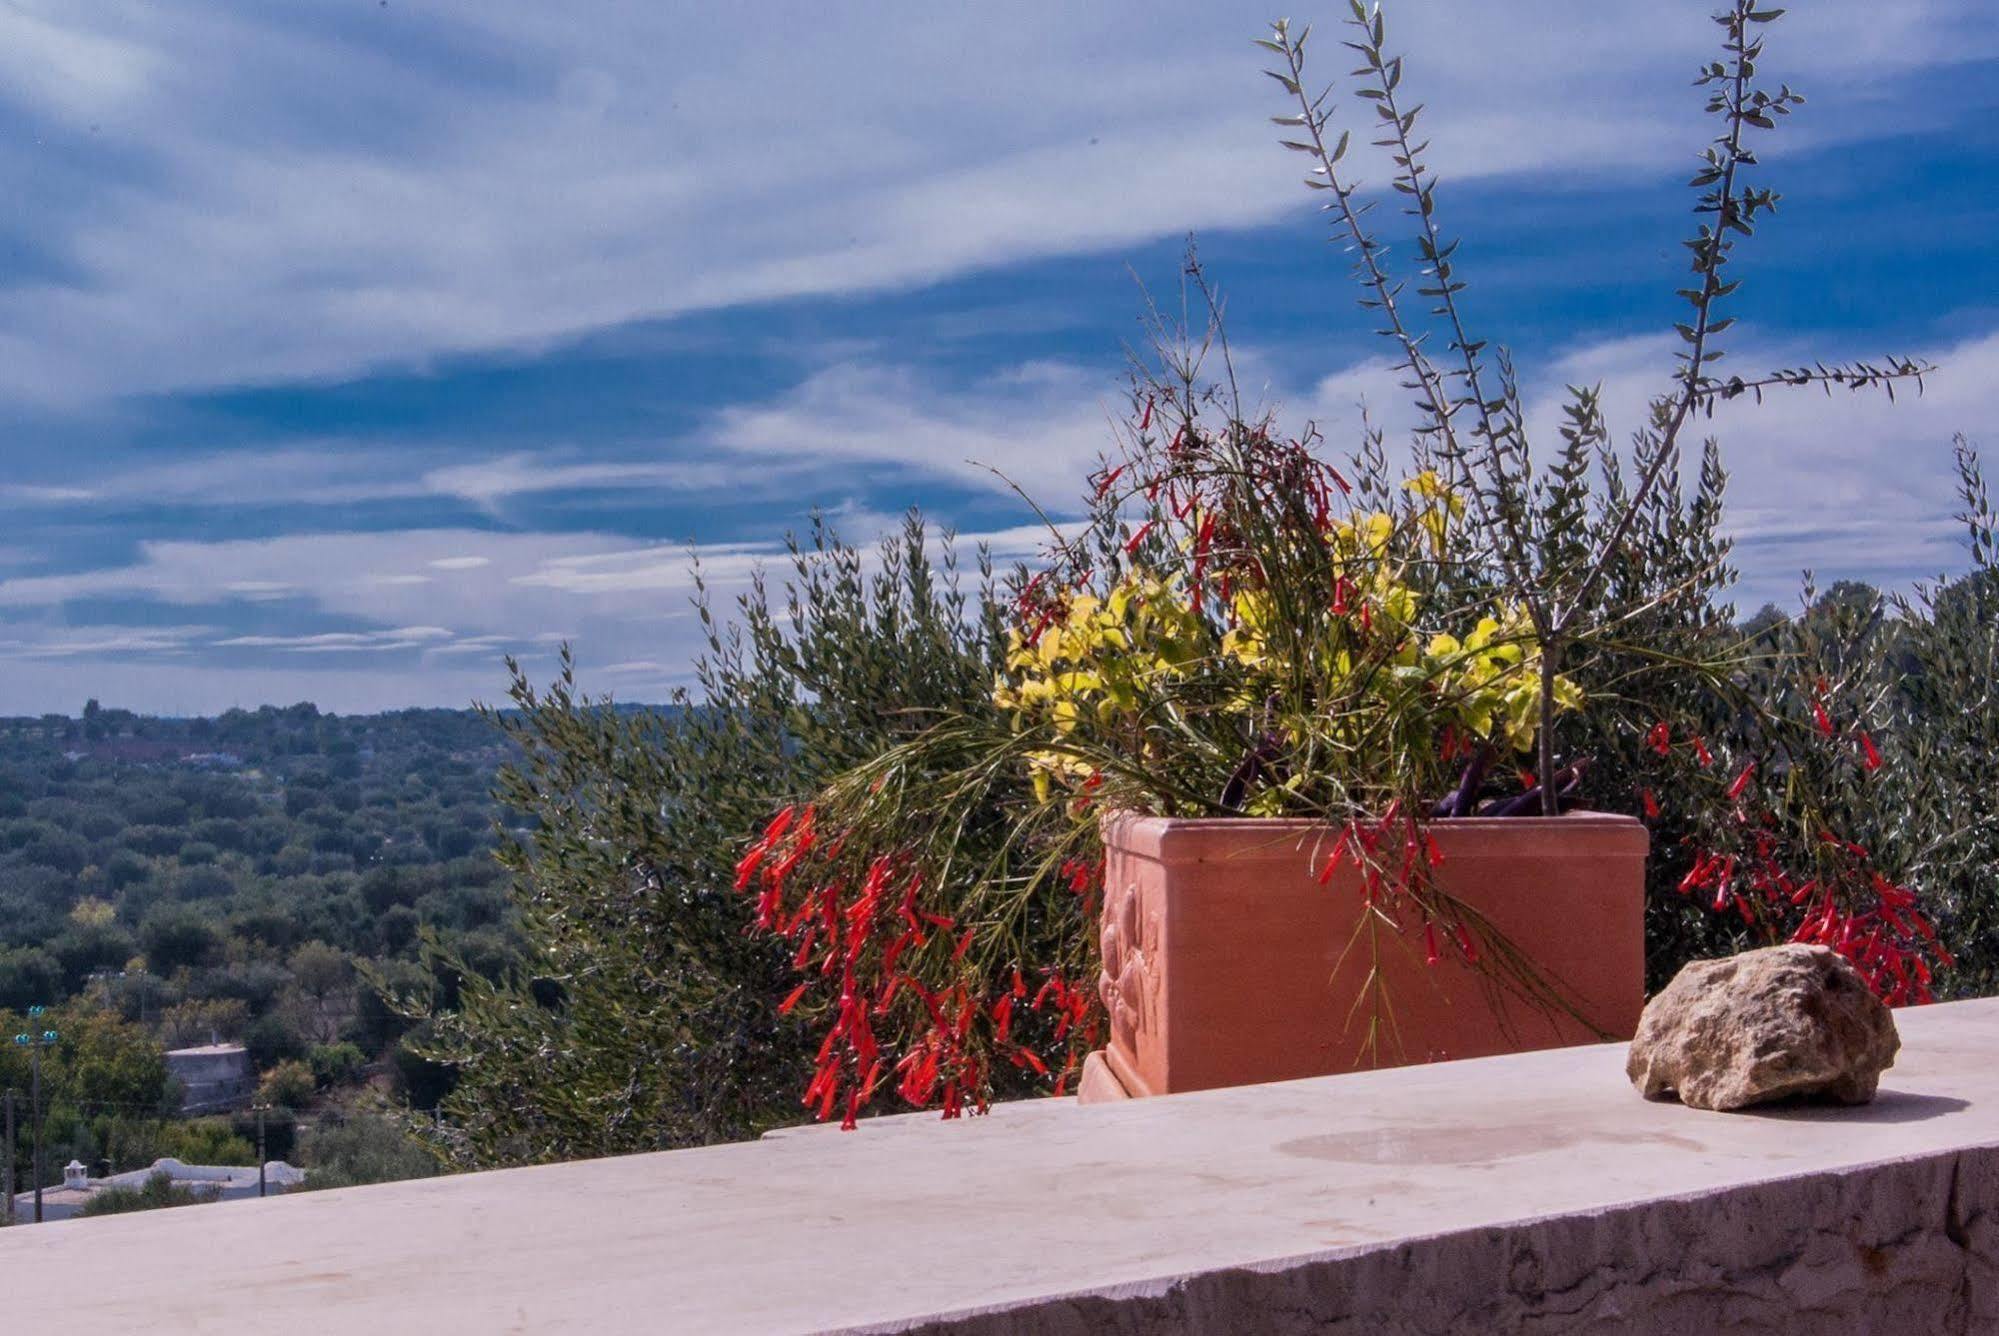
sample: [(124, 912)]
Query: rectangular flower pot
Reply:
[(1220, 948)]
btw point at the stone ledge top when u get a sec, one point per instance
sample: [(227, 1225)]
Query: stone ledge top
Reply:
[(913, 1217)]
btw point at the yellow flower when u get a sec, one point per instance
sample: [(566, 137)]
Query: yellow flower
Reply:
[(1427, 485)]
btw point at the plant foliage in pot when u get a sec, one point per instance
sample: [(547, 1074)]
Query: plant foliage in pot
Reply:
[(1288, 728)]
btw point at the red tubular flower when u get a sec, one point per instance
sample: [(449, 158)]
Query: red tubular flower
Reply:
[(1346, 488), (1145, 418), (778, 825), (1651, 801), (826, 1100), (1823, 719), (1333, 858), (1660, 738), (791, 999), (1701, 752), (1132, 544), (1741, 783), (1430, 943), (1869, 757)]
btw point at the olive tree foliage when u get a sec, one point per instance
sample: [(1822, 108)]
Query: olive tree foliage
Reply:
[(645, 1017), (1943, 711), (1471, 413), (1877, 715)]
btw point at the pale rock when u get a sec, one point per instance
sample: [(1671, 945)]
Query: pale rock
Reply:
[(1765, 1025)]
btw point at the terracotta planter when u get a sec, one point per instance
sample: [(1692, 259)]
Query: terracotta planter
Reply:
[(1220, 949)]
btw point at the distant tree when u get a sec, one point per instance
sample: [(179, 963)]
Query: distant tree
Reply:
[(323, 985), (176, 937), (196, 853), (28, 976), (203, 1021), (154, 841), (61, 851), (88, 946), (90, 912), (125, 868), (101, 1060), (126, 1142), (272, 1038)]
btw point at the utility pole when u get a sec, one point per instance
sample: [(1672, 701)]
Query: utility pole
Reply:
[(262, 1109), (7, 1165), (35, 1044)]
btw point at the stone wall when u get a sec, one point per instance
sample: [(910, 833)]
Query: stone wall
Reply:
[(1535, 1194), (1896, 1248)]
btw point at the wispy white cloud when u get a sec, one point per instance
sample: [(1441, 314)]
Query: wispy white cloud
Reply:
[(489, 482), (72, 642), (38, 494), (615, 602), (1849, 484), (384, 185), (1032, 425), (344, 642)]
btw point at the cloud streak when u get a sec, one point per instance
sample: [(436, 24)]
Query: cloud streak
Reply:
[(277, 198)]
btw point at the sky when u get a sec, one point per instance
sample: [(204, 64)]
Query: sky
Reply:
[(347, 346)]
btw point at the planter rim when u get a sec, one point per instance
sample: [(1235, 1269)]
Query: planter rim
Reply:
[(1178, 839)]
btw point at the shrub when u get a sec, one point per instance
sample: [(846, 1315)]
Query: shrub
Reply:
[(159, 1191), (645, 1018), (335, 1064), (364, 1147), (288, 1085)]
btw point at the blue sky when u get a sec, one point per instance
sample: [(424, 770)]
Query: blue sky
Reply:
[(348, 346)]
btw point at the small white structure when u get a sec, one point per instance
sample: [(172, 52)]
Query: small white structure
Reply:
[(212, 1077), (75, 1176)]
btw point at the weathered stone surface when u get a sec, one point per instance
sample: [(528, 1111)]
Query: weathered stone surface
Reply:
[(1765, 1025), (1530, 1195)]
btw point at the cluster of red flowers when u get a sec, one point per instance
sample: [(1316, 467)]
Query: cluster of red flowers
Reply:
[(1196, 488), (1393, 857), (1846, 904), (908, 1004)]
